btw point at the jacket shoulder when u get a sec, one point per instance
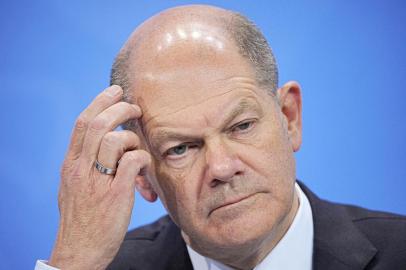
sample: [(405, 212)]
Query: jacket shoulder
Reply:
[(386, 231), (150, 231), (352, 237), (158, 245)]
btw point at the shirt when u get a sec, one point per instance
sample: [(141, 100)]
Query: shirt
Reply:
[(297, 243)]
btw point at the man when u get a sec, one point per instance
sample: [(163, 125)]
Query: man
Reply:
[(208, 131)]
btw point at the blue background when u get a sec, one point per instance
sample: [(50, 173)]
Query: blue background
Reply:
[(349, 57)]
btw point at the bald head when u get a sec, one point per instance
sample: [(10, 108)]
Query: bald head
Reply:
[(180, 34)]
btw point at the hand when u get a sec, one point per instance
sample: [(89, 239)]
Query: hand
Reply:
[(95, 208)]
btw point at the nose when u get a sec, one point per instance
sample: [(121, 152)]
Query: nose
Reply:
[(223, 163)]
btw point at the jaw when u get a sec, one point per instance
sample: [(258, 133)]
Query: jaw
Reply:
[(224, 242)]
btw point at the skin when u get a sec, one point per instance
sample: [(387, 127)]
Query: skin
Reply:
[(213, 145)]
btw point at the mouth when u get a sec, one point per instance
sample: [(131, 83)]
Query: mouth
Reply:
[(232, 203)]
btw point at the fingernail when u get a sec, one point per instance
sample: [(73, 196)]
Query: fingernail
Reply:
[(113, 90)]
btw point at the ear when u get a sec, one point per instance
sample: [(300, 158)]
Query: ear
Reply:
[(144, 187), (142, 181), (290, 102)]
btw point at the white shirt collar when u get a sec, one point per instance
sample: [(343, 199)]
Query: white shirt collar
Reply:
[(294, 250)]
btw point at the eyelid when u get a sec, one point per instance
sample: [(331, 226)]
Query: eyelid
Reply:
[(173, 147), (188, 144), (245, 121)]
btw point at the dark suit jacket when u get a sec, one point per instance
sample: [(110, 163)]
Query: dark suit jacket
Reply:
[(345, 237)]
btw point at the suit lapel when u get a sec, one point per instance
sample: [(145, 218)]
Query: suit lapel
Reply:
[(338, 244), (175, 251)]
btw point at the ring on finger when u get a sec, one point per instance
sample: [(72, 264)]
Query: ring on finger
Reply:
[(104, 170)]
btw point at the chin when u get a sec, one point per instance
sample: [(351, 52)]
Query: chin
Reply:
[(239, 227), (240, 231), (230, 240)]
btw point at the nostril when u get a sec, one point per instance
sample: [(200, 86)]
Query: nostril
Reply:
[(215, 183)]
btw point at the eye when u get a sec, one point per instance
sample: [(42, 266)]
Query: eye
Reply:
[(177, 150), (244, 126)]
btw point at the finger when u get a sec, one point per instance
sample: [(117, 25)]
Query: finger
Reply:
[(114, 144), (131, 163), (105, 99), (105, 122)]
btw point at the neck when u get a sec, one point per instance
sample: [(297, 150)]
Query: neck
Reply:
[(251, 254)]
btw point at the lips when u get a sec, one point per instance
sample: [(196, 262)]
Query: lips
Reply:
[(232, 202)]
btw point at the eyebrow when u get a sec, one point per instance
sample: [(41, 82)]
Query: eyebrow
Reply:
[(166, 135), (243, 106)]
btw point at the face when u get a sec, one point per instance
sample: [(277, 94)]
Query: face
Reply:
[(223, 162)]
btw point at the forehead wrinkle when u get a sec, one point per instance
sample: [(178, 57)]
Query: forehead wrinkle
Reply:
[(190, 105), (242, 83)]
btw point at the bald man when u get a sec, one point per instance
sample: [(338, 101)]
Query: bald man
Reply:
[(209, 132)]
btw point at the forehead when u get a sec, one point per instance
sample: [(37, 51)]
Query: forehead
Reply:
[(165, 89), (181, 67), (182, 93)]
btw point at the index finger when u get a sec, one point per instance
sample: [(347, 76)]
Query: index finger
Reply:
[(110, 96)]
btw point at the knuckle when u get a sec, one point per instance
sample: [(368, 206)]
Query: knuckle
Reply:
[(99, 123), (76, 173), (74, 169), (103, 99), (81, 122), (130, 156), (139, 156), (110, 140)]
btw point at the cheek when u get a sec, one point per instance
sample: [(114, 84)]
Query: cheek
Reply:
[(271, 156), (174, 192)]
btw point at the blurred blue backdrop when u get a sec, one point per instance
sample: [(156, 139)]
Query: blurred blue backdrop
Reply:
[(349, 56)]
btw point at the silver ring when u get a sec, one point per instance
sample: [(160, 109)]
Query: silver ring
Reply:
[(103, 169)]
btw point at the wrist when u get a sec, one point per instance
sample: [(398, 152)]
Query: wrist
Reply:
[(67, 259)]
